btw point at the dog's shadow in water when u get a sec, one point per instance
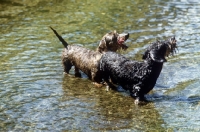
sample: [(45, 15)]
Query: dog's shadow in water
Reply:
[(158, 96)]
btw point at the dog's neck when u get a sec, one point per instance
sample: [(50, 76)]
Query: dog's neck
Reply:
[(150, 61)]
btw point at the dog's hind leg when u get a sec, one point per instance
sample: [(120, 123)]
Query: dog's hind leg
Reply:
[(67, 66), (108, 82), (113, 80)]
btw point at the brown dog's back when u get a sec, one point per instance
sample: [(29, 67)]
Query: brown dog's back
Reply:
[(86, 60)]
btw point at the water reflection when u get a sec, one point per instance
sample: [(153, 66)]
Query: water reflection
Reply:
[(35, 96), (108, 110)]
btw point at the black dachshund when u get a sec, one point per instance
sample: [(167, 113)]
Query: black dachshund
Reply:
[(137, 77)]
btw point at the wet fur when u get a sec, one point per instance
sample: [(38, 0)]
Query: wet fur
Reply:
[(87, 60), (109, 42), (139, 77)]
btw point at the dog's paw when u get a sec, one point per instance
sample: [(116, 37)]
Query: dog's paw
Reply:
[(65, 73), (107, 88), (99, 85), (77, 74), (139, 101)]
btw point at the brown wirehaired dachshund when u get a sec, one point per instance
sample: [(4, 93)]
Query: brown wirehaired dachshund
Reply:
[(87, 60)]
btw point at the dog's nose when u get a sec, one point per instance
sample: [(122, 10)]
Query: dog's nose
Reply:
[(127, 36)]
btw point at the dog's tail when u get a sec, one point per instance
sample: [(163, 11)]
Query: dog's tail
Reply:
[(60, 38)]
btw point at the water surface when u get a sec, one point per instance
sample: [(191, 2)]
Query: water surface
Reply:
[(36, 96)]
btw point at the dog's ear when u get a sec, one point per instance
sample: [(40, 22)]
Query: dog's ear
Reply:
[(102, 46), (156, 57), (172, 40), (114, 36)]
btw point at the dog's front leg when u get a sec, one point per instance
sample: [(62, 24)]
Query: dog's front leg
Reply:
[(96, 78), (137, 94), (77, 72), (140, 99)]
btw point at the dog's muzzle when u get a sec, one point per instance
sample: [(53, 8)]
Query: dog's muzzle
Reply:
[(122, 38)]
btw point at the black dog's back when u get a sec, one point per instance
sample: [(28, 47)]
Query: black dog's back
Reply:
[(121, 69)]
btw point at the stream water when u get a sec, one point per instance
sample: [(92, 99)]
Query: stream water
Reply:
[(35, 95)]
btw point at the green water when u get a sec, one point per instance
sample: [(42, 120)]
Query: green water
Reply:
[(36, 96)]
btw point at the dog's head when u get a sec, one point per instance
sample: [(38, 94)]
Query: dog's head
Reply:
[(113, 41), (158, 50)]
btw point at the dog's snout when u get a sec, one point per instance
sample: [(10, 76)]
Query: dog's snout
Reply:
[(125, 35)]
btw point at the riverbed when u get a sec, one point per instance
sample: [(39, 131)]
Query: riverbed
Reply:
[(35, 95)]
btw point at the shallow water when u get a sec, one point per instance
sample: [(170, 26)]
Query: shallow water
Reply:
[(36, 96)]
